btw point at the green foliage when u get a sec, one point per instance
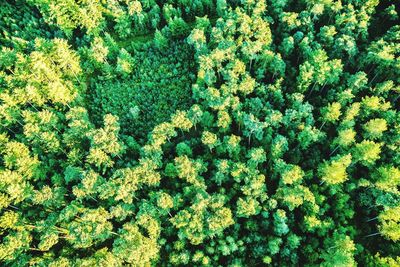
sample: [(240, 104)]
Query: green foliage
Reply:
[(199, 133), (334, 172), (375, 128), (132, 247), (367, 152), (340, 253), (191, 224), (145, 89), (390, 223), (332, 112)]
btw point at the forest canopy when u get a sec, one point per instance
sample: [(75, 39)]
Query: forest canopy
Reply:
[(199, 133)]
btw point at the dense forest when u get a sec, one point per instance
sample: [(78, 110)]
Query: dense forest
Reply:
[(199, 133)]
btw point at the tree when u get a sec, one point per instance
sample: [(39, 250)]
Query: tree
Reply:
[(14, 244), (367, 152), (181, 121), (88, 186), (256, 157), (252, 125), (164, 201), (104, 143), (294, 196), (160, 40), (232, 145), (124, 62), (205, 218), (346, 137), (247, 207), (385, 261), (221, 7), (190, 170), (224, 120), (340, 251), (69, 15), (334, 171), (387, 178), (197, 38), (102, 257), (279, 146), (133, 247), (290, 174), (183, 149), (91, 227), (319, 70), (332, 112), (374, 128), (210, 139), (390, 223), (144, 132), (99, 50), (287, 45)]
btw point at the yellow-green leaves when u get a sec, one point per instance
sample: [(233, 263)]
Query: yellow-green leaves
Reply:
[(105, 143), (374, 128), (340, 252), (91, 227), (49, 75), (210, 139), (47, 241), (334, 171), (124, 62), (205, 218), (346, 137), (247, 207), (99, 50), (256, 156), (133, 247), (88, 186), (190, 170), (14, 244), (318, 70), (390, 223), (247, 85), (293, 174), (266, 136), (180, 120), (41, 129), (332, 112), (294, 196), (387, 178), (164, 201), (367, 152), (134, 7), (9, 220), (224, 120), (373, 104), (69, 14)]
